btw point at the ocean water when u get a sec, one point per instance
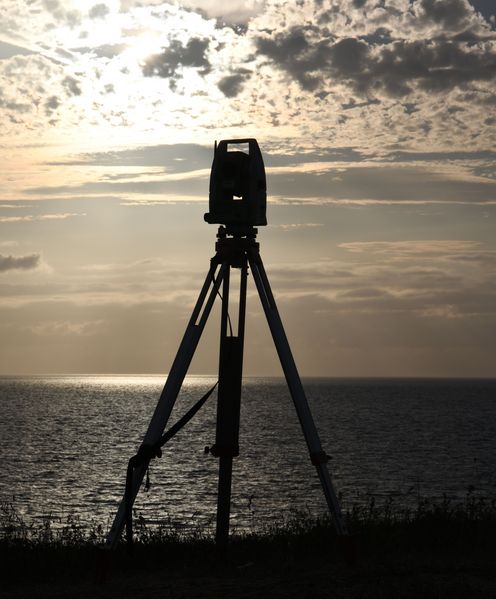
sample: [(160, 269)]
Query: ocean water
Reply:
[(66, 440)]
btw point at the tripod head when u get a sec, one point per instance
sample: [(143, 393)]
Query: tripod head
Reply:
[(238, 189), (237, 232)]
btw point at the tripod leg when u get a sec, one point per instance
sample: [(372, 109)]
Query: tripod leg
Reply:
[(173, 384), (228, 408), (317, 455)]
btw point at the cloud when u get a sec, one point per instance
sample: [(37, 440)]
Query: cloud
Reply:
[(28, 262), (61, 14), (29, 83), (187, 157), (51, 104), (394, 70), (408, 248), (72, 86), (370, 183), (231, 85), (429, 288), (297, 226), (176, 56), (65, 328), (8, 50), (342, 176), (354, 66), (105, 50), (175, 158), (234, 11), (33, 217), (98, 11), (448, 15), (401, 19)]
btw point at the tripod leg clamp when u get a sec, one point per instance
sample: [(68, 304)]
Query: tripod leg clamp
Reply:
[(225, 451), (319, 457), (146, 453)]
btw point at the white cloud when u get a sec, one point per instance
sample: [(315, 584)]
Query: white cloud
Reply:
[(412, 247), (33, 217), (234, 11), (67, 328), (297, 226)]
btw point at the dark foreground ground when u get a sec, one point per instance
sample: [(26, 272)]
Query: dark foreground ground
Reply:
[(439, 552)]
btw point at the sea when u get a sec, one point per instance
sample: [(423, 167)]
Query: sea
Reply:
[(66, 442)]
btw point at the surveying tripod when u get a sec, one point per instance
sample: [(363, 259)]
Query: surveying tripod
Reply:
[(235, 248)]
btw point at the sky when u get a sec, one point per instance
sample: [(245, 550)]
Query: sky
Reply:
[(376, 120)]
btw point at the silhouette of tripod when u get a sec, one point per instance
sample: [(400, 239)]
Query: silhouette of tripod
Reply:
[(234, 249)]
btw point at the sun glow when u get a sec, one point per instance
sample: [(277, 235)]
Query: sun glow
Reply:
[(139, 48)]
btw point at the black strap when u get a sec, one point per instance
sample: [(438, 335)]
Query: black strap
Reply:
[(148, 452)]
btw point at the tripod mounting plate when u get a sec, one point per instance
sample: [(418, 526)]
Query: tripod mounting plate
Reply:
[(235, 250), (237, 231)]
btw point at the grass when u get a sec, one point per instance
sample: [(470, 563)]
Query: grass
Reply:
[(441, 549)]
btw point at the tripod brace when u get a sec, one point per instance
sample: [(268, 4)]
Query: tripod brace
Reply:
[(240, 251)]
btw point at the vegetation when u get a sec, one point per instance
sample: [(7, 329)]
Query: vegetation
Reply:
[(435, 550)]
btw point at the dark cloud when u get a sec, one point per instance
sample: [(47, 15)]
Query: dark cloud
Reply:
[(13, 105), (51, 105), (9, 50), (394, 69), (72, 18), (72, 86), (388, 182), (381, 184), (437, 19), (295, 54), (232, 85), (403, 156), (450, 15), (65, 55), (168, 63), (358, 184), (353, 104), (98, 11), (176, 158), (180, 158), (19, 262)]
